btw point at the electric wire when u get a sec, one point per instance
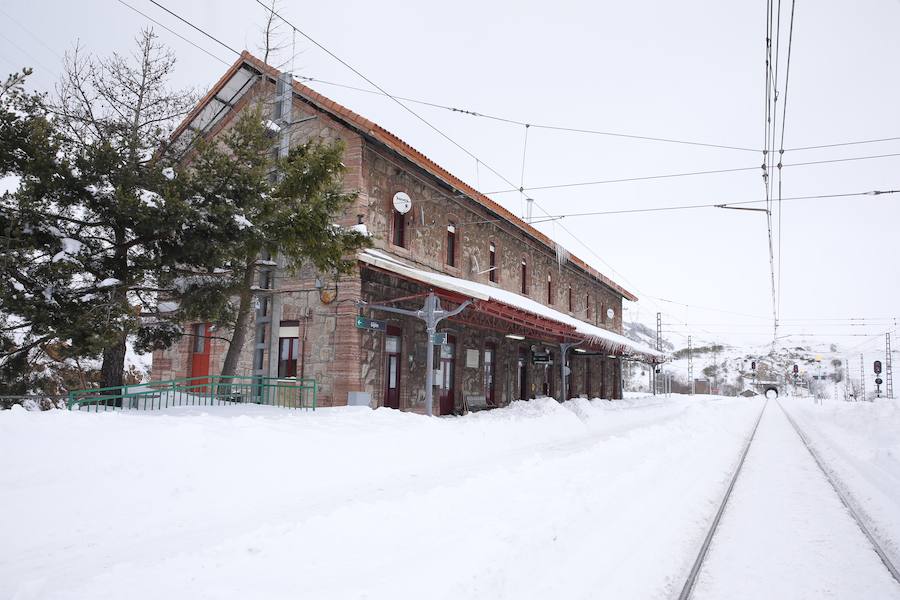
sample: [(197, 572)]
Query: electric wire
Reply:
[(189, 24), (296, 30), (787, 77), (689, 174), (175, 33), (549, 218)]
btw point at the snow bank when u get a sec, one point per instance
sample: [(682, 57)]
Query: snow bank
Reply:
[(587, 498)]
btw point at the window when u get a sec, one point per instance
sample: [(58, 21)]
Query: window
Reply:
[(288, 352), (199, 334), (399, 230), (587, 307), (492, 263), (549, 289), (451, 244), (524, 277), (571, 305)]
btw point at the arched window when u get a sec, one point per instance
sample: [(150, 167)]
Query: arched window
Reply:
[(399, 229), (549, 289), (492, 263), (524, 277), (451, 244)]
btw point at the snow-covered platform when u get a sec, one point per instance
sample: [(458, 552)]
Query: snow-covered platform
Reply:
[(583, 499)]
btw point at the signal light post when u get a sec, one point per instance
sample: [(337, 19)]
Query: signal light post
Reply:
[(878, 382)]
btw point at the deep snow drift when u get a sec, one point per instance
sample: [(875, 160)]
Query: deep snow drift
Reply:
[(585, 499)]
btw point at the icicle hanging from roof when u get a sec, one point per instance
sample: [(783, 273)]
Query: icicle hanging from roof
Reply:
[(562, 255)]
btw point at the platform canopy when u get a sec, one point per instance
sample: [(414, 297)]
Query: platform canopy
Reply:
[(529, 315)]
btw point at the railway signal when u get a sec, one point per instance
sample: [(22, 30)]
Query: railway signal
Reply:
[(878, 367)]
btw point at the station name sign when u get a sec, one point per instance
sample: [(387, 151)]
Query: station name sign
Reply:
[(370, 324)]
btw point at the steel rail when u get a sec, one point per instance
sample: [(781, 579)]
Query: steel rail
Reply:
[(688, 588), (846, 500)]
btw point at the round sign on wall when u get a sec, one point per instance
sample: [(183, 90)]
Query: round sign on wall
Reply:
[(402, 202), (610, 313)]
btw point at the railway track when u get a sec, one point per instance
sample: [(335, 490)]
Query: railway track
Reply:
[(846, 500), (691, 580), (688, 588)]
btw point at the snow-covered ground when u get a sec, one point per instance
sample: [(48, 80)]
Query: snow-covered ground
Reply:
[(786, 534), (860, 443), (584, 499)]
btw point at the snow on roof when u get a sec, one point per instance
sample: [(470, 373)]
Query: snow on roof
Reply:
[(480, 291)]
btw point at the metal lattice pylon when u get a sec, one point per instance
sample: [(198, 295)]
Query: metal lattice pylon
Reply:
[(848, 389), (656, 378), (888, 372), (862, 377), (691, 365)]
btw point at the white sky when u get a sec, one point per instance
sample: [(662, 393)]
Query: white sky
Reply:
[(689, 70)]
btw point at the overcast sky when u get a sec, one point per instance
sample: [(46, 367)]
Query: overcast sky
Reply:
[(691, 70)]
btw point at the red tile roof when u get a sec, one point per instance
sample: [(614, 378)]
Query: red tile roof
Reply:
[(380, 134)]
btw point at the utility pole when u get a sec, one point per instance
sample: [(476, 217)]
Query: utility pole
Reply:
[(564, 369), (658, 346), (691, 365), (888, 372), (715, 370), (432, 314), (862, 376), (848, 389)]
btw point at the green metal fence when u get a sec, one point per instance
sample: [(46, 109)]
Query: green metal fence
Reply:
[(211, 390)]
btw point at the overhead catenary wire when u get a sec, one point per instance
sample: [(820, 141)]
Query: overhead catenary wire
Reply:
[(689, 174), (175, 33), (771, 96), (582, 130), (550, 217), (189, 24), (472, 155), (426, 122), (784, 105)]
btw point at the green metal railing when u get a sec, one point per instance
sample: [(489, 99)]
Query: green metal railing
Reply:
[(211, 390)]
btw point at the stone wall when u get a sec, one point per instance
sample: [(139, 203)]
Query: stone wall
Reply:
[(343, 358), (476, 228)]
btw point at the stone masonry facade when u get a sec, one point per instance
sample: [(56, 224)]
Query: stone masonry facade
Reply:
[(320, 311)]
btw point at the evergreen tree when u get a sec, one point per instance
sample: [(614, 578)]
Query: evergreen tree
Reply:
[(95, 223), (114, 115), (249, 216)]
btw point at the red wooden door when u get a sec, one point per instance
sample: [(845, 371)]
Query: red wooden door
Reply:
[(490, 355), (200, 352), (447, 370), (392, 367)]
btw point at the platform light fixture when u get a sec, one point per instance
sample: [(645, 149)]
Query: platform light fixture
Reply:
[(514, 336)]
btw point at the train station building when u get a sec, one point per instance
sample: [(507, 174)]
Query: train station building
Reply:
[(528, 318)]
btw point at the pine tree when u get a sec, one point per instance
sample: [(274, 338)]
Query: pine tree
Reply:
[(95, 225), (115, 114), (249, 216)]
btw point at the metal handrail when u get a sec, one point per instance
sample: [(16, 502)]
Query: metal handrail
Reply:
[(206, 390)]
